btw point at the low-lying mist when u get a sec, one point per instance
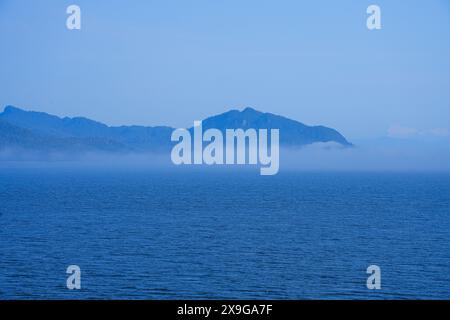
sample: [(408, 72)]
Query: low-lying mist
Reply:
[(402, 157)]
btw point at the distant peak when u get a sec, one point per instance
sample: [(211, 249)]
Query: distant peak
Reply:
[(10, 109), (250, 110)]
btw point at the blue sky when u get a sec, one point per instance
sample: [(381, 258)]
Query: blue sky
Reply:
[(172, 62)]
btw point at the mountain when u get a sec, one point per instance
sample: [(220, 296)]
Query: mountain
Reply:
[(42, 132), (18, 139), (292, 133), (90, 133)]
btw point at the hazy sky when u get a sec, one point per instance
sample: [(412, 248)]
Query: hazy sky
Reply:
[(172, 62)]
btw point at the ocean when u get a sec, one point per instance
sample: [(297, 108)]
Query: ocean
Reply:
[(195, 234)]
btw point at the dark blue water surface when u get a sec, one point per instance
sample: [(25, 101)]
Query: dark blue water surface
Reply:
[(143, 234)]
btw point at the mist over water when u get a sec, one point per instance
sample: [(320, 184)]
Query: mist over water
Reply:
[(393, 156), (375, 157), (141, 227)]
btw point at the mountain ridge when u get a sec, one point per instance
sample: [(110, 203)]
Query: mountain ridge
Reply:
[(33, 130), (294, 133)]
